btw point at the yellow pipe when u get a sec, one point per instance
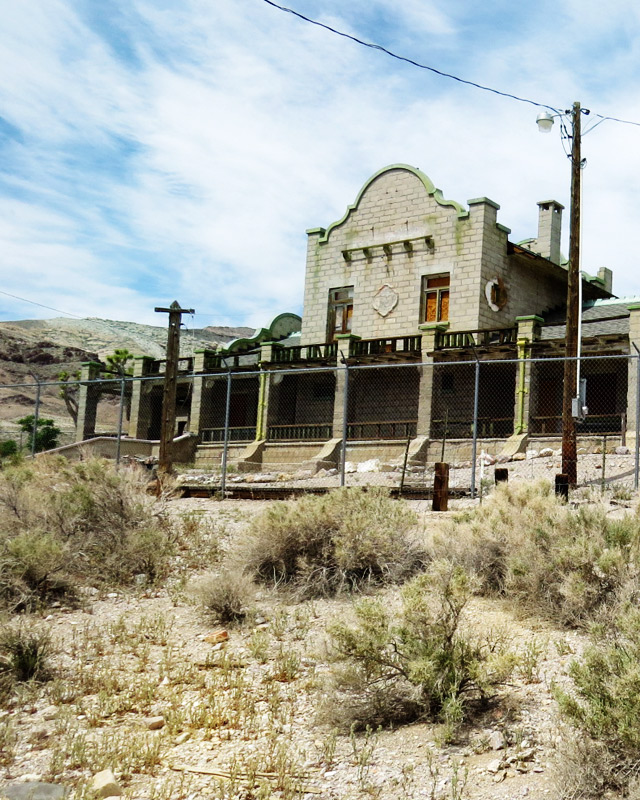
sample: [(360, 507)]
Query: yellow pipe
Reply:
[(521, 423)]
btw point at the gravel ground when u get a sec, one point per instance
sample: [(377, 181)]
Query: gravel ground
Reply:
[(147, 655)]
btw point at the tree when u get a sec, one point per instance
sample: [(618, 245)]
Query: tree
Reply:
[(69, 392), (117, 362), (46, 434)]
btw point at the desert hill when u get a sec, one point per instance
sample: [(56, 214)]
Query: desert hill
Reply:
[(42, 348)]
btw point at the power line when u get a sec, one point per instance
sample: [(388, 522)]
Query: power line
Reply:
[(442, 74), (33, 303)]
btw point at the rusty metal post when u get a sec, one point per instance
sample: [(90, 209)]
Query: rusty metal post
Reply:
[(440, 487)]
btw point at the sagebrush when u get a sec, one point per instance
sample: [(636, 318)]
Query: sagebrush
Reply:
[(344, 539), (417, 663), (528, 545), (61, 522)]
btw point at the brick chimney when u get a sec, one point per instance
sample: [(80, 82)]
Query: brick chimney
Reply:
[(549, 230)]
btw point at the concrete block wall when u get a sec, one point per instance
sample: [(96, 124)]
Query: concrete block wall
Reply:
[(400, 204)]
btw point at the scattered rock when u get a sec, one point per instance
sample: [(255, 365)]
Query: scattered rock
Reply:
[(531, 454), (372, 465), (216, 637), (622, 451), (154, 723), (104, 784), (183, 737), (34, 790), (518, 457), (494, 766), (546, 452), (496, 740), (502, 459)]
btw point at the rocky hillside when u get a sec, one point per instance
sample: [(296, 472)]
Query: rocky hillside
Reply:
[(42, 348)]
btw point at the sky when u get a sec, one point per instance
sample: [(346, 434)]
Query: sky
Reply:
[(179, 149)]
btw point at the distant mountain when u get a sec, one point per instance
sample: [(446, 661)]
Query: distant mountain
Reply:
[(42, 348)]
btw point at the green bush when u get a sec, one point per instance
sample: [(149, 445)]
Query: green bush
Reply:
[(339, 541), (63, 522), (8, 448), (418, 663), (526, 544), (602, 703)]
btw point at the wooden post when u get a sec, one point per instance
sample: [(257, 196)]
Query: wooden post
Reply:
[(569, 457), (440, 487), (562, 485), (170, 384), (501, 475)]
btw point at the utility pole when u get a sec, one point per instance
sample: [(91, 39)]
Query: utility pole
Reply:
[(170, 383), (570, 389)]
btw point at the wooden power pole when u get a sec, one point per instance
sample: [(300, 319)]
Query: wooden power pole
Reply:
[(170, 384), (570, 390)]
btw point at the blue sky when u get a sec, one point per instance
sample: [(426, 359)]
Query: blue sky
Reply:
[(152, 151)]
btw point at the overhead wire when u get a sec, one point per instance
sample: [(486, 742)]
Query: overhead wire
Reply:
[(434, 70), (42, 305)]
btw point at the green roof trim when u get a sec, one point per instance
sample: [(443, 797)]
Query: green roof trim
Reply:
[(426, 182), (281, 327)]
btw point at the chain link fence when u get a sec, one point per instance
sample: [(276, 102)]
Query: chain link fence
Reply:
[(384, 424)]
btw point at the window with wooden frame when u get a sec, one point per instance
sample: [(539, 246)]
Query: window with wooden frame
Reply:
[(340, 311), (435, 298)]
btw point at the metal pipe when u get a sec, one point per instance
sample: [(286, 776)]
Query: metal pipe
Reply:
[(636, 470), (34, 431), (120, 416), (474, 449), (225, 448), (345, 426)]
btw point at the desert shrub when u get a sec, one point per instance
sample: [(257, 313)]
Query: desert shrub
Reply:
[(342, 540), (526, 544), (62, 521), (228, 595), (24, 656), (8, 448), (602, 704), (417, 663)]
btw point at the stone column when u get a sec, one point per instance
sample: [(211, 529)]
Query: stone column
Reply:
[(140, 418), (632, 383), (344, 350), (265, 391), (198, 409), (88, 400), (430, 332), (528, 332)]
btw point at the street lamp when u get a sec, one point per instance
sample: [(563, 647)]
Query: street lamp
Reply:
[(570, 389)]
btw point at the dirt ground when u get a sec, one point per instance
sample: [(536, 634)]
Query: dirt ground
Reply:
[(238, 718)]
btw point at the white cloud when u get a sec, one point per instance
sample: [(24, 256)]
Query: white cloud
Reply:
[(193, 172)]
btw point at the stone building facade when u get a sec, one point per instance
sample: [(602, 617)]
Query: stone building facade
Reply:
[(421, 287)]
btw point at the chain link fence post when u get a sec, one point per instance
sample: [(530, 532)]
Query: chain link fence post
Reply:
[(636, 467), (120, 417), (345, 424), (36, 414), (474, 447), (225, 447)]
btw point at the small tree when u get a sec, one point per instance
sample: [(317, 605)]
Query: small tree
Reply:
[(69, 392), (46, 434), (118, 360), (8, 448)]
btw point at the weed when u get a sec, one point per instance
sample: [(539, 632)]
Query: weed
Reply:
[(24, 653), (8, 741), (529, 660), (228, 595), (259, 645)]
